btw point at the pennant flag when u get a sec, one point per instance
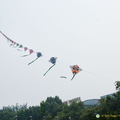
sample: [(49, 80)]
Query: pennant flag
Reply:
[(38, 56), (53, 61), (75, 69)]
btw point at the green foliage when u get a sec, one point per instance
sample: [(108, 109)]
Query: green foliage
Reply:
[(9, 112), (54, 109), (53, 106), (72, 111), (6, 115), (117, 84), (33, 111), (109, 109), (42, 109)]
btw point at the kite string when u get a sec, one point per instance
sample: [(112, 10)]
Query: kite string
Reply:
[(94, 74), (32, 61), (99, 76)]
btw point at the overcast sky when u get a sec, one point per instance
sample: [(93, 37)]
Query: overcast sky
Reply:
[(82, 32)]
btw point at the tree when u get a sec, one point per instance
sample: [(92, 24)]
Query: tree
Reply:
[(71, 112), (117, 84), (42, 109), (53, 105)]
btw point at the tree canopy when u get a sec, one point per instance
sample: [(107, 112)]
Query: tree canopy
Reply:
[(54, 109)]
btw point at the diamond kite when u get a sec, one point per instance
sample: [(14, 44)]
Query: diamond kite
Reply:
[(75, 69)]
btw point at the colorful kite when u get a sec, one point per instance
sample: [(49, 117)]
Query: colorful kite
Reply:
[(39, 54), (25, 48), (20, 47), (12, 43), (53, 61), (75, 69), (17, 44), (30, 52), (63, 77)]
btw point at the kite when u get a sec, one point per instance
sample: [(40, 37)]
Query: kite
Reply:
[(53, 61), (20, 47), (17, 44), (63, 77), (25, 48), (12, 43), (30, 52), (75, 69), (39, 54)]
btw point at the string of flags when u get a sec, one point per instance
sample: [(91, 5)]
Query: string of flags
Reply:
[(74, 68)]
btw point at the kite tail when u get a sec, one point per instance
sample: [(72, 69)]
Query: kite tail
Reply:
[(73, 76), (48, 70), (25, 55), (32, 61), (11, 45), (20, 50)]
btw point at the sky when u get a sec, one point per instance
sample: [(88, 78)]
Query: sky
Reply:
[(77, 32)]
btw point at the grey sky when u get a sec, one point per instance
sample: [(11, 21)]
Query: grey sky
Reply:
[(83, 32)]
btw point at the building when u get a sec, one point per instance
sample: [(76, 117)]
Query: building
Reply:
[(91, 102), (104, 96), (68, 102)]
